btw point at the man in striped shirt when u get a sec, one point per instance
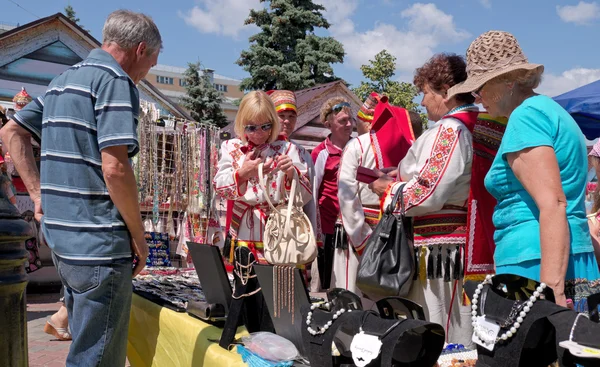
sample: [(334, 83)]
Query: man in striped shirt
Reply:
[(86, 198)]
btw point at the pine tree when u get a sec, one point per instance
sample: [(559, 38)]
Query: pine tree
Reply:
[(287, 54), (202, 99), (70, 13), (379, 74)]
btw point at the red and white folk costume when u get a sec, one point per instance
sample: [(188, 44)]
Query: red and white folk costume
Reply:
[(250, 209), (385, 146), (437, 173)]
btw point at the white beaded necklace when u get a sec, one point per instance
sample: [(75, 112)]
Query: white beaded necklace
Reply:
[(322, 329), (483, 337)]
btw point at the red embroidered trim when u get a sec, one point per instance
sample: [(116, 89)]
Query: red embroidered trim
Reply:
[(434, 170)]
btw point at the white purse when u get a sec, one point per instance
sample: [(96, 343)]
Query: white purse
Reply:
[(289, 238)]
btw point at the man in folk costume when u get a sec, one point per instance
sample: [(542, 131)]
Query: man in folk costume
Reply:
[(285, 105), (287, 111), (390, 138), (336, 116)]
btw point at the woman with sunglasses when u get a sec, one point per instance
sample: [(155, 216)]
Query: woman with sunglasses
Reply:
[(335, 115), (538, 175), (258, 141)]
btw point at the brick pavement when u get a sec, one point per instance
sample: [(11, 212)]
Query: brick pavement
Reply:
[(44, 349)]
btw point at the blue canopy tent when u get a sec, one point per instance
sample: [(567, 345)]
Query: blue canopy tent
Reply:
[(583, 104)]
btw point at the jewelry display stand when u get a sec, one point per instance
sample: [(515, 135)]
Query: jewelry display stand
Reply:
[(410, 343), (535, 344), (248, 305)]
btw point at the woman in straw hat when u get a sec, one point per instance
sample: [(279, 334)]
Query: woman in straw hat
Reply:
[(538, 176)]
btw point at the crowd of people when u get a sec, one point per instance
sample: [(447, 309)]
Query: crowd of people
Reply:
[(495, 191)]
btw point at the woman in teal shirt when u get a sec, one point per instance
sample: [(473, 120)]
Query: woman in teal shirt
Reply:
[(538, 175)]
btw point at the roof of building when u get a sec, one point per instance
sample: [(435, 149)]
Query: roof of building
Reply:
[(90, 43), (181, 70)]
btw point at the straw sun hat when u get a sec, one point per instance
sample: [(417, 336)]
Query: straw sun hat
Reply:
[(492, 54)]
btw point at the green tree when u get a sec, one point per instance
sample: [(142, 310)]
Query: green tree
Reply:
[(379, 74), (286, 53), (202, 99), (70, 13)]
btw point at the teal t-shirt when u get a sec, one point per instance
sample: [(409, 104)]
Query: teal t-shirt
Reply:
[(538, 121)]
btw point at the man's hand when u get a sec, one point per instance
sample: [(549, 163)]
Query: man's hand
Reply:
[(139, 248), (390, 171), (38, 212), (381, 184)]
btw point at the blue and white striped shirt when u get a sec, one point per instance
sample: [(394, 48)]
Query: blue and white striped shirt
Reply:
[(91, 106)]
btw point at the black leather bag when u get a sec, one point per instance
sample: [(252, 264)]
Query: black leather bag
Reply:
[(387, 265)]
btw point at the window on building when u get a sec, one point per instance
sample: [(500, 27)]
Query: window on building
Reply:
[(164, 80), (182, 83), (221, 87)]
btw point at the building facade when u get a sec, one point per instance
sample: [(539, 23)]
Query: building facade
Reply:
[(171, 82)]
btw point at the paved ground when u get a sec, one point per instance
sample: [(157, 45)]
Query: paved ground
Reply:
[(44, 349)]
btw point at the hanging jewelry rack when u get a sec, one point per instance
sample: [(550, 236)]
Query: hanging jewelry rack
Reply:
[(174, 171)]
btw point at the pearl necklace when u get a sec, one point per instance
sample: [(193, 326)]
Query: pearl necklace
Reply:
[(322, 329), (483, 337)]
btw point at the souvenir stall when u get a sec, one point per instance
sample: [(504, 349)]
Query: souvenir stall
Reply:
[(174, 171)]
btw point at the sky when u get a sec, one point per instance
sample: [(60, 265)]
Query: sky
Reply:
[(562, 35)]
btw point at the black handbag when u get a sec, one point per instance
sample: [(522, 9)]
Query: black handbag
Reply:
[(387, 265)]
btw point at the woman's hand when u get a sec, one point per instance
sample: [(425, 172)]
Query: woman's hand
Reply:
[(285, 164), (559, 297), (250, 165), (381, 184)]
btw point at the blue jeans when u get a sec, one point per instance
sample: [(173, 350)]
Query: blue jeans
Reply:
[(98, 300)]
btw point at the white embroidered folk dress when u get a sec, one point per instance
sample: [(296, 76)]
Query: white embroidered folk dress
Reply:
[(437, 173), (250, 210), (359, 209)]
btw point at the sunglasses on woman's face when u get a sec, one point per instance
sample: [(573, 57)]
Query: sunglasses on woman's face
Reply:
[(254, 128)]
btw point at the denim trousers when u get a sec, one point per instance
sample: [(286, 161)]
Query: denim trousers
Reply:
[(98, 300)]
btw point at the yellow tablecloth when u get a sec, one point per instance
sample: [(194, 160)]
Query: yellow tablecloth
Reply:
[(161, 337)]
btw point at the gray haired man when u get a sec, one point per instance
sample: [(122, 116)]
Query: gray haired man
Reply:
[(86, 198)]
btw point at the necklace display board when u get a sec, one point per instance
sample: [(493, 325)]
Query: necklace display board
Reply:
[(541, 328), (174, 171)]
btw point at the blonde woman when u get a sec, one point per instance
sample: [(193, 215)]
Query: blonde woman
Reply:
[(258, 141), (538, 176)]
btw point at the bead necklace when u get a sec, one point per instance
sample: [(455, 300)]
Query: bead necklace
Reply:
[(322, 329), (512, 330), (460, 108)]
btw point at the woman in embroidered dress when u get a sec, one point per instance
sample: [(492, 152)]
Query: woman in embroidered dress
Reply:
[(437, 174), (258, 141), (538, 175)]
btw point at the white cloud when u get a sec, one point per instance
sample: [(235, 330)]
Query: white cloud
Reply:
[(486, 3), (582, 13), (222, 17), (425, 28), (554, 85)]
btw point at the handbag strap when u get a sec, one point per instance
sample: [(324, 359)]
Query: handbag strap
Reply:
[(398, 196)]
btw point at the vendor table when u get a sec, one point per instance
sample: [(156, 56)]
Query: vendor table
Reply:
[(161, 337)]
